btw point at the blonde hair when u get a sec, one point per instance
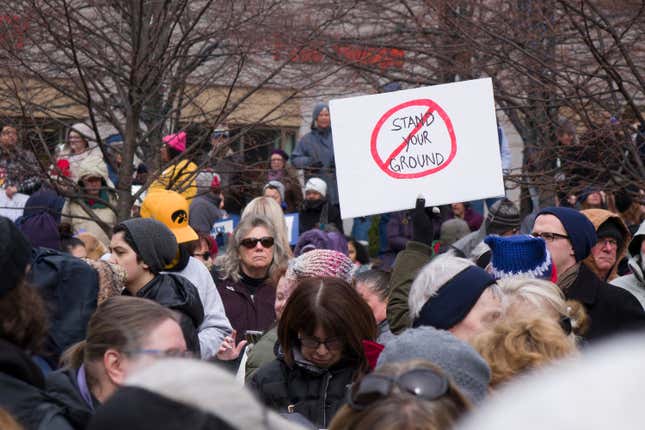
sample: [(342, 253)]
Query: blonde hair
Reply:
[(95, 248), (517, 345), (269, 208), (545, 297)]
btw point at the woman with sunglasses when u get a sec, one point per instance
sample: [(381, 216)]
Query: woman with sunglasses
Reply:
[(125, 334), (244, 277), (410, 395), (320, 352)]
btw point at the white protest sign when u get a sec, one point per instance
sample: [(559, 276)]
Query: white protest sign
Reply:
[(439, 142)]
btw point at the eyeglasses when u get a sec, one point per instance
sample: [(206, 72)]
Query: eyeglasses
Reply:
[(251, 242), (424, 383), (205, 255), (168, 353), (608, 241), (550, 237), (332, 343)]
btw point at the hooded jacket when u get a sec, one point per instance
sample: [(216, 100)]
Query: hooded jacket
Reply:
[(73, 211), (22, 392), (635, 282), (177, 293), (312, 215), (598, 217), (179, 177), (314, 152)]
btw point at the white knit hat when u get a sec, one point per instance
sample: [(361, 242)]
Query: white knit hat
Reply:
[(316, 184), (84, 130)]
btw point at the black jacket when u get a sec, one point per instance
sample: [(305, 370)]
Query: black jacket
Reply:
[(317, 212), (63, 386), (612, 309), (22, 392), (177, 293), (315, 393)]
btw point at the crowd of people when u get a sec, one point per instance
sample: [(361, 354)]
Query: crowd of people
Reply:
[(420, 319)]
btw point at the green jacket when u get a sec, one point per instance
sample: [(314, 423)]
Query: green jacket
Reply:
[(261, 353), (406, 266)]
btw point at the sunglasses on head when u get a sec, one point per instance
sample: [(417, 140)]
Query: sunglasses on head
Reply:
[(426, 384), (251, 242)]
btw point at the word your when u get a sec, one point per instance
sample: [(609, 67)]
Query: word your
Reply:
[(407, 162)]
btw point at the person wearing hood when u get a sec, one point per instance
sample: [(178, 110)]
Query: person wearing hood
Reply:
[(22, 332), (171, 209), (84, 150), (611, 247), (96, 198), (284, 173), (315, 152), (635, 282), (179, 176), (144, 247), (317, 210), (40, 219)]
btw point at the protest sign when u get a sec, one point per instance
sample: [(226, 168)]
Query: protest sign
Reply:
[(293, 227), (12, 208), (440, 142), (222, 230)]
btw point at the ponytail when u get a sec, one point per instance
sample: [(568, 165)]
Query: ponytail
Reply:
[(72, 357)]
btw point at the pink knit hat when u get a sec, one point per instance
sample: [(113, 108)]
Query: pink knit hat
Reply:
[(320, 263), (176, 141)]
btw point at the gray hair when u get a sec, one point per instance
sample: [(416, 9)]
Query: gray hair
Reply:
[(431, 277), (230, 262)]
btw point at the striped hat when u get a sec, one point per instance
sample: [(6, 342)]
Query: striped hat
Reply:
[(321, 263), (502, 217), (520, 256)]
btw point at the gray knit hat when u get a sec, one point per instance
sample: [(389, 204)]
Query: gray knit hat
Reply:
[(456, 358), (452, 230), (502, 217), (155, 243), (278, 186)]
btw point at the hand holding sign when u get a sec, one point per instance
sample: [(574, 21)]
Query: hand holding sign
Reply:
[(391, 147)]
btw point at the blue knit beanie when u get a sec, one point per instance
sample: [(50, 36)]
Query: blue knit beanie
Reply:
[(519, 256), (580, 230)]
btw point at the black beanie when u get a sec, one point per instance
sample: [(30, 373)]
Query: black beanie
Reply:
[(611, 230), (15, 254)]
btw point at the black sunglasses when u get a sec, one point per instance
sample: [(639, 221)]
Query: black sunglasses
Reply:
[(424, 383), (251, 242)]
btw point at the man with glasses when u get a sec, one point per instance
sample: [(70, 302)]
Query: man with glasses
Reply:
[(570, 236), (613, 237)]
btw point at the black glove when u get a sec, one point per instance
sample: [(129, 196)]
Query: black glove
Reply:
[(422, 225)]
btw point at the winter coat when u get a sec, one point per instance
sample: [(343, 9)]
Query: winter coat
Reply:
[(91, 157), (313, 212), (179, 294), (63, 385), (598, 217), (406, 267), (634, 282), (22, 392), (399, 230), (262, 352), (611, 310), (179, 177), (315, 148), (74, 213), (204, 211), (19, 168), (215, 326), (246, 311), (315, 393), (473, 218)]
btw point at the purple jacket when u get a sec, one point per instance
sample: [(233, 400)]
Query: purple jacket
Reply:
[(246, 312)]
